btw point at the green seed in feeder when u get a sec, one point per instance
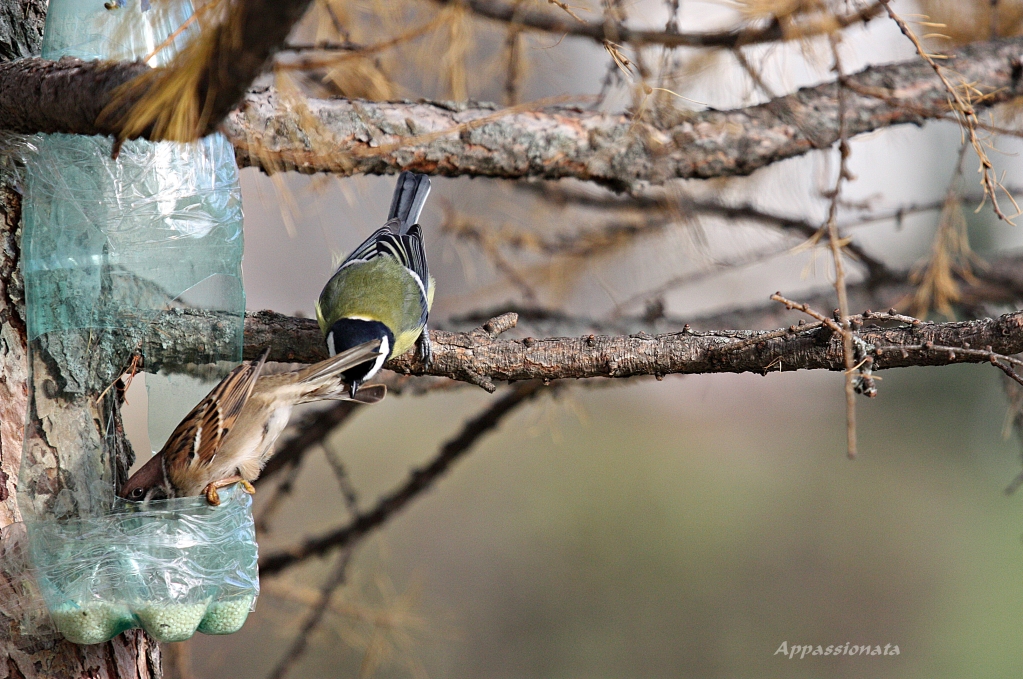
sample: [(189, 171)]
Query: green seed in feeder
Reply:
[(171, 622), (226, 617), (91, 623)]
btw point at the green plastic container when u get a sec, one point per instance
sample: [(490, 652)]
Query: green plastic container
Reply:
[(171, 567), (138, 256)]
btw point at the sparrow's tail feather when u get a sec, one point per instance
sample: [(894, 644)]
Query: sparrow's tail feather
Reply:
[(324, 380), (409, 198), (370, 394)]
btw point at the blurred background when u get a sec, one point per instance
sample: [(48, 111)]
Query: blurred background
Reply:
[(642, 528)]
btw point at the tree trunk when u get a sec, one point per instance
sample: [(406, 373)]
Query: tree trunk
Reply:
[(131, 655)]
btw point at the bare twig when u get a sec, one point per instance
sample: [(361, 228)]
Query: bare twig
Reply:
[(344, 482), (419, 481), (753, 73), (835, 243), (821, 318), (961, 104), (618, 32), (335, 579)]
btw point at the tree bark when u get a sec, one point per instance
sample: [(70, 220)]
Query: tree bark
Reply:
[(471, 139), (479, 357), (360, 137), (79, 97)]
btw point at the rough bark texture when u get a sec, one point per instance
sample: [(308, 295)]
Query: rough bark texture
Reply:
[(21, 28), (13, 356), (355, 137), (620, 347), (65, 96), (70, 95), (350, 137), (131, 655), (479, 357)]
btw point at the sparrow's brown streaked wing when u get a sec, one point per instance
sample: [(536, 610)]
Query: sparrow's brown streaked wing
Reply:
[(198, 437)]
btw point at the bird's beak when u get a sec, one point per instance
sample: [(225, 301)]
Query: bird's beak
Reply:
[(354, 387)]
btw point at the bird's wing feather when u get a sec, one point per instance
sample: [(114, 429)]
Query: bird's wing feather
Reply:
[(415, 254), (198, 437), (407, 248), (368, 248)]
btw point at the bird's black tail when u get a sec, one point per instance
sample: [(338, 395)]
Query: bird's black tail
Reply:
[(409, 198)]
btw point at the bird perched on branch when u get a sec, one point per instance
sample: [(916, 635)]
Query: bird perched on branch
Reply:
[(383, 290), (229, 436)]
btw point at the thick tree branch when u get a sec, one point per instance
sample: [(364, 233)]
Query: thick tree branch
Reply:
[(65, 96), (468, 356), (481, 358), (100, 98), (352, 137)]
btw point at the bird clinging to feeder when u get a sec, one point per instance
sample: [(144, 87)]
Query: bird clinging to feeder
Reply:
[(229, 436)]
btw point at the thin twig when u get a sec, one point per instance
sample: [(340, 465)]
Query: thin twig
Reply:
[(418, 482), (753, 73), (344, 482), (312, 621), (962, 107), (835, 244), (618, 32), (835, 327)]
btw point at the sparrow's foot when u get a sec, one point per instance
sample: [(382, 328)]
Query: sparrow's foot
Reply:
[(424, 348), (213, 497)]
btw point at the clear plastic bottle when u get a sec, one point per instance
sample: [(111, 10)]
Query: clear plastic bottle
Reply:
[(110, 249)]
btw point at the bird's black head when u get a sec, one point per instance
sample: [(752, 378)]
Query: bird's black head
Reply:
[(351, 332)]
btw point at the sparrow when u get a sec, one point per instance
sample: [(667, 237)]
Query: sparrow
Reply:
[(229, 436), (383, 290)]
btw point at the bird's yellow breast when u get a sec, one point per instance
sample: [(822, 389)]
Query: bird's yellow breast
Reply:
[(381, 290)]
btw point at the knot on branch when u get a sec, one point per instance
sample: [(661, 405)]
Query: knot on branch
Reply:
[(499, 324)]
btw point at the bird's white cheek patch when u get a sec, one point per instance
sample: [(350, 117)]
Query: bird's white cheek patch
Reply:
[(330, 343), (385, 349)]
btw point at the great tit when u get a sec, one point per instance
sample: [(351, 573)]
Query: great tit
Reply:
[(383, 290)]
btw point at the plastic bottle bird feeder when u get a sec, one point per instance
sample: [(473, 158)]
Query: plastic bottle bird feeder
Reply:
[(129, 264), (172, 567)]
